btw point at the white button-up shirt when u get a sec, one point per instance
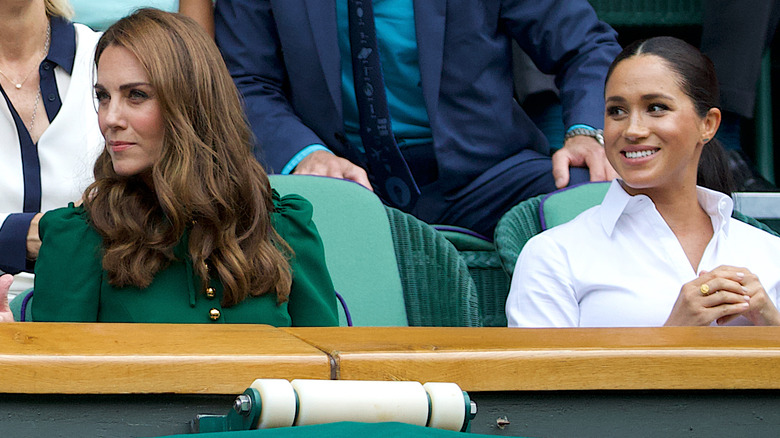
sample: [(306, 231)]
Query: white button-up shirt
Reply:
[(619, 264)]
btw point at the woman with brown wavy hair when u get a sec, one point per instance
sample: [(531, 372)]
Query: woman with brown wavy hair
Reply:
[(181, 224)]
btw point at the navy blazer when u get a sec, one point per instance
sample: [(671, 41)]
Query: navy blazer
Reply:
[(284, 58)]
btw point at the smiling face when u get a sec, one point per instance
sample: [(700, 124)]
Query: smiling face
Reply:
[(129, 114), (652, 132)]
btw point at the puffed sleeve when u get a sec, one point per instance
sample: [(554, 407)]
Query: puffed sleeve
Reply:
[(312, 298), (68, 272)]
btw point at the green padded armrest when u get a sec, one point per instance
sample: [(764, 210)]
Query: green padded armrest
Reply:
[(16, 306), (464, 239)]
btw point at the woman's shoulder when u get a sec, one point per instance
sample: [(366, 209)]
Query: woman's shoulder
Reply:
[(85, 36), (71, 217), (70, 213), (291, 207), (583, 231), (751, 235), (580, 226), (292, 213)]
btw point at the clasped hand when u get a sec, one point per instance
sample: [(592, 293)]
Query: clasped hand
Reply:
[(722, 295)]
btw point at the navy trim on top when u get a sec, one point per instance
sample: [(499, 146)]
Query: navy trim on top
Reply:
[(31, 166), (62, 50), (62, 53), (13, 241)]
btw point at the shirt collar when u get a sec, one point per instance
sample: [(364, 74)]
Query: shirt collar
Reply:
[(617, 202), (718, 206), (62, 50), (614, 204)]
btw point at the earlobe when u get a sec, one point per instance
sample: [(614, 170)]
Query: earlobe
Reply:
[(710, 124)]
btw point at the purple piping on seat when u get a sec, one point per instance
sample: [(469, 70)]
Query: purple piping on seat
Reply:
[(346, 310), (541, 204), (23, 311), (462, 231)]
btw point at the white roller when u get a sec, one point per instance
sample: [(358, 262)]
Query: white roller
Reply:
[(448, 407), (278, 404), (328, 401)]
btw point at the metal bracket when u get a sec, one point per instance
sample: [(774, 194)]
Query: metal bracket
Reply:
[(244, 415)]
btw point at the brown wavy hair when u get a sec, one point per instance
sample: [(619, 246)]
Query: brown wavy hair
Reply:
[(206, 180)]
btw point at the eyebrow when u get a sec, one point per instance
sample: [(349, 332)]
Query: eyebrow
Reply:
[(126, 86), (657, 96), (651, 96)]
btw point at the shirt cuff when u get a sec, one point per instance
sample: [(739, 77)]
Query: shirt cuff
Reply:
[(297, 158), (580, 125), (13, 241)]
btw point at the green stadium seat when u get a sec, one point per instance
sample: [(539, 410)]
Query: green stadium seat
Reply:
[(485, 268), (391, 268)]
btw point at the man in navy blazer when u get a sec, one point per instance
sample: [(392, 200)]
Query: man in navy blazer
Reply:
[(483, 154)]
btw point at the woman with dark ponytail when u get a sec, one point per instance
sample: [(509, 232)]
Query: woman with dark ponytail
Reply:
[(659, 250)]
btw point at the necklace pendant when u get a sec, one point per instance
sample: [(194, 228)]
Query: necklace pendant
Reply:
[(18, 86)]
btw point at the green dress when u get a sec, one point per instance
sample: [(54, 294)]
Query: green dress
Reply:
[(70, 284)]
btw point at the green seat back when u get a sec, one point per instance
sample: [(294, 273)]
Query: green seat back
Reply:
[(486, 270), (515, 228), (532, 216), (438, 288), (358, 247), (564, 205)]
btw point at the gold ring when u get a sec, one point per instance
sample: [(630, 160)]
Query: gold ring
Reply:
[(705, 289)]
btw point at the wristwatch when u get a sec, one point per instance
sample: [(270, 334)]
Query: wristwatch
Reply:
[(598, 134)]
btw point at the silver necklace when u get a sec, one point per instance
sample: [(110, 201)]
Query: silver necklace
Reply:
[(38, 94), (35, 111), (44, 52)]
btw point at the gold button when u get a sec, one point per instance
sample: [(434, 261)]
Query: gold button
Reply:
[(210, 292), (214, 314)]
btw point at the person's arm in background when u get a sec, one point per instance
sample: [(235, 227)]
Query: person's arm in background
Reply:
[(19, 241), (566, 38), (201, 11), (247, 36)]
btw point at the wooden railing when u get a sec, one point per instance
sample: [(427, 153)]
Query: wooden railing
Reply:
[(225, 359), (70, 358)]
